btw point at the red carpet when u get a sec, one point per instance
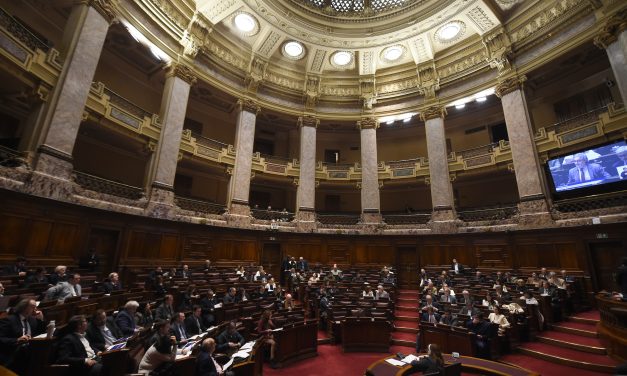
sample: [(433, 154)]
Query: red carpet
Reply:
[(592, 315), (407, 324), (322, 334), (543, 367), (569, 353), (407, 313), (578, 325), (404, 336), (567, 337), (406, 308)]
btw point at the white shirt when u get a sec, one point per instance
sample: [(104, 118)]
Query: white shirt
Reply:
[(107, 335), (90, 352), (218, 366)]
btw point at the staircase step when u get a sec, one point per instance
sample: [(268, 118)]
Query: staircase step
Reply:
[(405, 307), (407, 324), (583, 320), (576, 328), (403, 291), (570, 357), (406, 300), (539, 365), (406, 318), (572, 341), (593, 315), (405, 329), (401, 342)]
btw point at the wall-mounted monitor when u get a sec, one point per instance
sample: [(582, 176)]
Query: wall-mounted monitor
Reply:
[(599, 169)]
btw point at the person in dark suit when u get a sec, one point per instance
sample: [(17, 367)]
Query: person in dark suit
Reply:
[(113, 284), (432, 363), (74, 349), (229, 341), (584, 171), (456, 267), (193, 324), (206, 365), (90, 261), (16, 331), (125, 319), (447, 297), (19, 268), (58, 275), (302, 264), (230, 296), (430, 316), (448, 319), (208, 304), (468, 309), (39, 276), (166, 310), (102, 331), (482, 330), (177, 328), (621, 276)]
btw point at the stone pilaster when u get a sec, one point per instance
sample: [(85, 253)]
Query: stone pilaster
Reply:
[(370, 201), (613, 39), (83, 40), (179, 80), (306, 194), (239, 185), (441, 190), (533, 206)]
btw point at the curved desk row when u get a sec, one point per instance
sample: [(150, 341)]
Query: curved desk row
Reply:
[(469, 364)]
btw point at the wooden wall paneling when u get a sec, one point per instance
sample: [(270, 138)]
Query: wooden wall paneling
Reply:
[(569, 255), (338, 253), (547, 255), (169, 247), (369, 252), (37, 239), (245, 250), (526, 255), (14, 230), (106, 243), (65, 240), (311, 251), (197, 248)]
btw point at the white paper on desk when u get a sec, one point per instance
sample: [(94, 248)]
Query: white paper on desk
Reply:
[(194, 338), (277, 329), (248, 346), (212, 328), (228, 364), (395, 362), (41, 335), (181, 356), (410, 358), (219, 305), (240, 354)]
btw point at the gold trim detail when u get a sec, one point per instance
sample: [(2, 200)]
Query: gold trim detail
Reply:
[(509, 85), (611, 30), (249, 105), (308, 121), (181, 71), (106, 8), (433, 112), (368, 123)]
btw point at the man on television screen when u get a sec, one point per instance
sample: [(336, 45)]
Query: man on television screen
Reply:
[(620, 165), (584, 171)]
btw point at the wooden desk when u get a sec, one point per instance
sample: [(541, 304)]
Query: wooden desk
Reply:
[(613, 326), (296, 341), (450, 339), (469, 364), (366, 334)]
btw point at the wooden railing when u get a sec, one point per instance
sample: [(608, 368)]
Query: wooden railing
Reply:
[(199, 205), (98, 184)]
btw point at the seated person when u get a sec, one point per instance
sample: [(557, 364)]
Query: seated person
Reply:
[(480, 277), (315, 278), (584, 171), (456, 267), (242, 295), (102, 331), (159, 286), (125, 319), (289, 302), (502, 295), (468, 309), (367, 292), (498, 318), (260, 293), (271, 286), (39, 276), (58, 275), (193, 324), (161, 352), (144, 317), (534, 280), (429, 303), (447, 318), (430, 316), (113, 284), (482, 330), (208, 304), (165, 311), (424, 279), (489, 301), (206, 365), (16, 330), (230, 340), (381, 293), (430, 289), (447, 297), (229, 297), (189, 296), (336, 272), (465, 298), (433, 362), (177, 328), (260, 275), (264, 329), (75, 350), (184, 272), (64, 290)]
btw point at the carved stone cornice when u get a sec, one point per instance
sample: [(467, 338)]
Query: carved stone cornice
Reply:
[(428, 79), (368, 123), (312, 91), (249, 105), (308, 121), (256, 72), (433, 112), (611, 30), (509, 85), (196, 35), (499, 48), (181, 71), (106, 8), (367, 91)]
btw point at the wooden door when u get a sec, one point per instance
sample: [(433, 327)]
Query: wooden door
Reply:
[(606, 257), (105, 243), (407, 266), (271, 259)]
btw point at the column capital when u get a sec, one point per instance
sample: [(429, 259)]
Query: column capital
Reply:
[(106, 8), (433, 112), (245, 104), (181, 71), (368, 123), (611, 30), (509, 85), (308, 121)]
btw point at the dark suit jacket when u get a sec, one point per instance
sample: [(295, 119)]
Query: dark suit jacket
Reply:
[(95, 337), (125, 322), (595, 171), (425, 317), (225, 337), (176, 328), (204, 365), (425, 365), (110, 287), (164, 312), (228, 299), (192, 327), (71, 351), (460, 267), (302, 265), (11, 330)]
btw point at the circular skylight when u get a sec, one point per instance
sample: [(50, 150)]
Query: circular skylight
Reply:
[(450, 32), (393, 53), (246, 24), (293, 50), (342, 58)]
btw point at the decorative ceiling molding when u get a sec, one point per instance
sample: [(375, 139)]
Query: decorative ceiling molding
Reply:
[(367, 63), (482, 19), (269, 43), (421, 49), (317, 61), (218, 10)]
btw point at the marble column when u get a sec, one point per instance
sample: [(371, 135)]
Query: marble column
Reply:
[(179, 80), (84, 37), (306, 195), (370, 200), (239, 185), (524, 154), (613, 39), (440, 182)]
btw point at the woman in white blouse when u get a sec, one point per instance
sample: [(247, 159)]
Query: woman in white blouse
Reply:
[(367, 293), (271, 286), (498, 318), (489, 301), (163, 351), (315, 278)]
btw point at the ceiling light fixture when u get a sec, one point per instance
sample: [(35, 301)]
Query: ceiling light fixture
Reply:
[(293, 50), (460, 106), (449, 31), (393, 53), (481, 99), (245, 22), (342, 58)]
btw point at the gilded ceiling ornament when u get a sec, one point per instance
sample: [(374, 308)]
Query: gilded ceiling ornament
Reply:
[(106, 8), (509, 85), (428, 79), (181, 71), (312, 91), (611, 30), (367, 92), (256, 73), (249, 105), (499, 49), (368, 123), (433, 112), (308, 121)]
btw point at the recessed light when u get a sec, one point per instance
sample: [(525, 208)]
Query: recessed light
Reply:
[(460, 106), (449, 31), (293, 50), (245, 23), (393, 53), (481, 99), (342, 58)]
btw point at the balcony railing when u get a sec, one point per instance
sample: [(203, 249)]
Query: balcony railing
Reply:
[(406, 218), (98, 184), (477, 151), (21, 32), (10, 157), (272, 215), (274, 159), (126, 104), (338, 219), (403, 163), (199, 206), (338, 166), (617, 199), (209, 142), (577, 121), (488, 214)]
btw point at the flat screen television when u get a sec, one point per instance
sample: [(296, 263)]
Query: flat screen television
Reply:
[(599, 169)]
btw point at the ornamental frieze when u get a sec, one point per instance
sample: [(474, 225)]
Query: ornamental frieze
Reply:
[(548, 17)]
